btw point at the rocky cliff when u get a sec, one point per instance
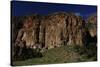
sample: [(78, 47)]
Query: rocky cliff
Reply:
[(92, 25), (50, 31)]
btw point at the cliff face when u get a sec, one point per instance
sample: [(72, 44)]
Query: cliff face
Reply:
[(62, 28), (25, 29), (92, 25), (49, 31)]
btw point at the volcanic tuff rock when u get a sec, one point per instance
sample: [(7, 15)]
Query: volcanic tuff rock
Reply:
[(51, 31)]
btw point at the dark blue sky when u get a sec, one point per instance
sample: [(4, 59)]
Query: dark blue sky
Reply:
[(20, 8)]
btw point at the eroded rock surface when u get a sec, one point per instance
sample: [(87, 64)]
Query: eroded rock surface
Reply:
[(51, 31)]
